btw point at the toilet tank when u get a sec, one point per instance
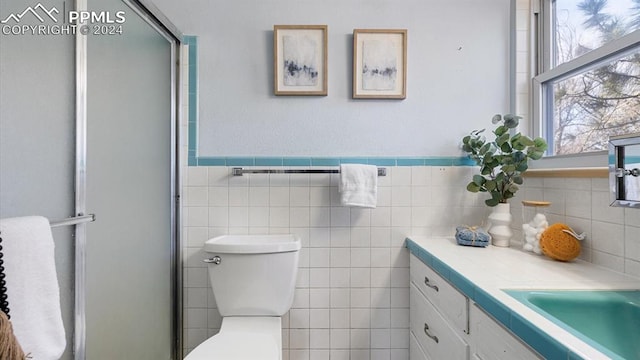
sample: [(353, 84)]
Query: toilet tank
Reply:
[(253, 275)]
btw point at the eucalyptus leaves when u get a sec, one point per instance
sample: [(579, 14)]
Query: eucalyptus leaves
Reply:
[(503, 160)]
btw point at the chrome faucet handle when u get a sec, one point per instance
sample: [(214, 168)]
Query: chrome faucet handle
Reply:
[(620, 172)]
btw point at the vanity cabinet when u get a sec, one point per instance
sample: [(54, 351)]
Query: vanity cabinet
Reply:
[(445, 324), (439, 316), (433, 332), (492, 341), (450, 302)]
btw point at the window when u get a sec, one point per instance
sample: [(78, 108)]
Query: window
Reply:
[(588, 82)]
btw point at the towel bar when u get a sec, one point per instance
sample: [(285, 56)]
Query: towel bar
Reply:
[(238, 171), (73, 220)]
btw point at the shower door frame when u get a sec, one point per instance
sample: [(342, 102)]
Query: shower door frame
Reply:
[(154, 17)]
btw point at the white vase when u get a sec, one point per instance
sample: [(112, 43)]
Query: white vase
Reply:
[(500, 225)]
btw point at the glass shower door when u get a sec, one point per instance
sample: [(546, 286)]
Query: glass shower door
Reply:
[(129, 187)]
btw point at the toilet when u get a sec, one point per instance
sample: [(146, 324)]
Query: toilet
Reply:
[(253, 278)]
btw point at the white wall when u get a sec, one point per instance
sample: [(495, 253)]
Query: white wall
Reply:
[(458, 77), (352, 293), (352, 288)]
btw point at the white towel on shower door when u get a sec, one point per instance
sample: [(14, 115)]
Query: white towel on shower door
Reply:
[(358, 185), (32, 286)]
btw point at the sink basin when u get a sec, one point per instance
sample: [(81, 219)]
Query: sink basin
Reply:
[(607, 320)]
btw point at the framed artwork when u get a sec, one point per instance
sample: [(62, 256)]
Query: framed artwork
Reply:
[(379, 64), (300, 59)]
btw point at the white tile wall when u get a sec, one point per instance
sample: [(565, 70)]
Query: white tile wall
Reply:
[(351, 299), (612, 232), (523, 63)]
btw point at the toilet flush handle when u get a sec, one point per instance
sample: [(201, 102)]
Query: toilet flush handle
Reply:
[(214, 260)]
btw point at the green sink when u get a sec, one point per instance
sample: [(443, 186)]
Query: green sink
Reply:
[(607, 320)]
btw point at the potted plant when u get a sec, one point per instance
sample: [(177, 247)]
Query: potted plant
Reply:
[(502, 162)]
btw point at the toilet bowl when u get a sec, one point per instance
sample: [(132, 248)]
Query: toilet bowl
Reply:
[(253, 280), (243, 338)]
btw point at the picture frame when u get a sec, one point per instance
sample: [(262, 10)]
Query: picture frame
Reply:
[(300, 60), (379, 63)]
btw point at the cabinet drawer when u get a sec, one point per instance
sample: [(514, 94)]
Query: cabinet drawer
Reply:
[(449, 301), (436, 338), (493, 342), (415, 351)]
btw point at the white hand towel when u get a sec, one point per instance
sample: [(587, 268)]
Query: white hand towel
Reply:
[(358, 185), (32, 286)]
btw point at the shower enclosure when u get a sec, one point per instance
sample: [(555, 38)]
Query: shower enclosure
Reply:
[(96, 133)]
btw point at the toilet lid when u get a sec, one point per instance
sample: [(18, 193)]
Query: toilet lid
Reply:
[(234, 343)]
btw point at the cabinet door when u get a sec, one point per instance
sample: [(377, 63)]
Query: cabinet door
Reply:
[(434, 334), (415, 351), (448, 300), (491, 341)]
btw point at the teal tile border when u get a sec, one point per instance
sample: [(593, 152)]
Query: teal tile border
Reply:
[(268, 161), (548, 347), (192, 122), (194, 160), (296, 162), (545, 345), (382, 161), (631, 159), (325, 161), (410, 162)]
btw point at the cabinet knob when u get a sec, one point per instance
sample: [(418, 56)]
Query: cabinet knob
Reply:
[(429, 335), (426, 282)]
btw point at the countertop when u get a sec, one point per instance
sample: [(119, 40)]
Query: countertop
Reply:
[(482, 273)]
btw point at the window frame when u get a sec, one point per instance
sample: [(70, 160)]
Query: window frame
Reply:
[(546, 74)]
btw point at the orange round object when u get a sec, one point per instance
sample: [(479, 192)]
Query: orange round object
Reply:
[(558, 245)]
